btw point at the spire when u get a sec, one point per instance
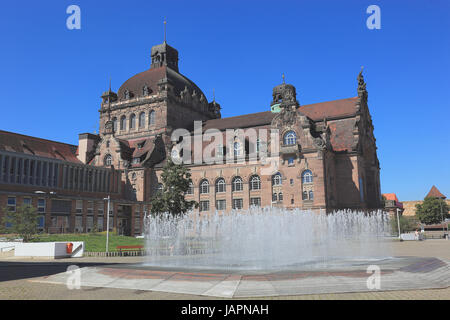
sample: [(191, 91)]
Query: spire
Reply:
[(109, 99), (214, 95), (362, 92), (283, 78), (435, 193), (165, 29)]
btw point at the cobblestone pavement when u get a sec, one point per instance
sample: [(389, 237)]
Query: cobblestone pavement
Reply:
[(27, 289)]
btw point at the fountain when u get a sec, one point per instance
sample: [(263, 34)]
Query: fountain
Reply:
[(264, 252), (266, 239)]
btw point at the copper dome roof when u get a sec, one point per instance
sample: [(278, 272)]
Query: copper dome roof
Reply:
[(150, 78)]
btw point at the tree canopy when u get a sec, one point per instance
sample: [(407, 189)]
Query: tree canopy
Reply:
[(171, 197), (23, 221), (429, 212)]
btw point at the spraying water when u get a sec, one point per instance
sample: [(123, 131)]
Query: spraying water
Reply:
[(265, 239)]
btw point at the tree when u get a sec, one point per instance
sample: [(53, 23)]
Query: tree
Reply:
[(407, 224), (23, 221), (175, 180), (429, 212)]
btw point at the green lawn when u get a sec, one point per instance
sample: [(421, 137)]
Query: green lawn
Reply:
[(93, 242)]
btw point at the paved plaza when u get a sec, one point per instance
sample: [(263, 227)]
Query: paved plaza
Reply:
[(25, 279)]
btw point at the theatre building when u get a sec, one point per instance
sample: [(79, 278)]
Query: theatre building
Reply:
[(325, 154)]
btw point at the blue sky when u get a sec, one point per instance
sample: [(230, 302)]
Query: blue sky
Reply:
[(51, 78)]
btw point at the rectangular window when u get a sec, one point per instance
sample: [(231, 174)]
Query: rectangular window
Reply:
[(255, 202), (27, 202), (89, 223), (100, 224), (41, 222), (90, 207), (220, 150), (79, 206), (100, 208), (11, 204), (78, 224), (137, 225), (291, 161), (238, 204), (204, 206), (221, 204)]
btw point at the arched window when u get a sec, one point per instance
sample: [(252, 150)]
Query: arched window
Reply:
[(220, 185), (280, 197), (237, 149), (191, 188), (290, 138), (142, 120), (175, 154), (274, 197), (204, 187), (132, 121), (123, 123), (277, 180), (114, 124), (108, 160), (237, 184), (304, 195), (255, 183), (307, 176), (311, 195), (151, 118)]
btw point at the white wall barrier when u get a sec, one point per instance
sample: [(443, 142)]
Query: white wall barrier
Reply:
[(49, 249)]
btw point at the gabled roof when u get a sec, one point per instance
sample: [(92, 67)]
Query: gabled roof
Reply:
[(435, 193), (15, 142)]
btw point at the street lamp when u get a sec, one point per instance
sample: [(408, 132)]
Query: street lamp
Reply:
[(442, 214), (107, 222)]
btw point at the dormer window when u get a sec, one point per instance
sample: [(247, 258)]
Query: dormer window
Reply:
[(108, 160), (141, 145)]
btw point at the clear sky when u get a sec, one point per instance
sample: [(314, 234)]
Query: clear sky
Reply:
[(51, 78)]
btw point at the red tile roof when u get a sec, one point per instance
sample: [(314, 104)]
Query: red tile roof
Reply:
[(330, 109), (435, 193), (393, 196), (19, 143), (341, 133), (316, 111)]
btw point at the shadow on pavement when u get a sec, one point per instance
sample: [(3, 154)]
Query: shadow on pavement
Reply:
[(24, 270)]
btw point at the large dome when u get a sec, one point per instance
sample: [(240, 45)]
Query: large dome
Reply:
[(164, 66), (150, 78)]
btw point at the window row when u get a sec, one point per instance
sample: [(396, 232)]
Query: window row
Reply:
[(86, 179), (237, 204), (237, 184), (133, 121), (28, 171)]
